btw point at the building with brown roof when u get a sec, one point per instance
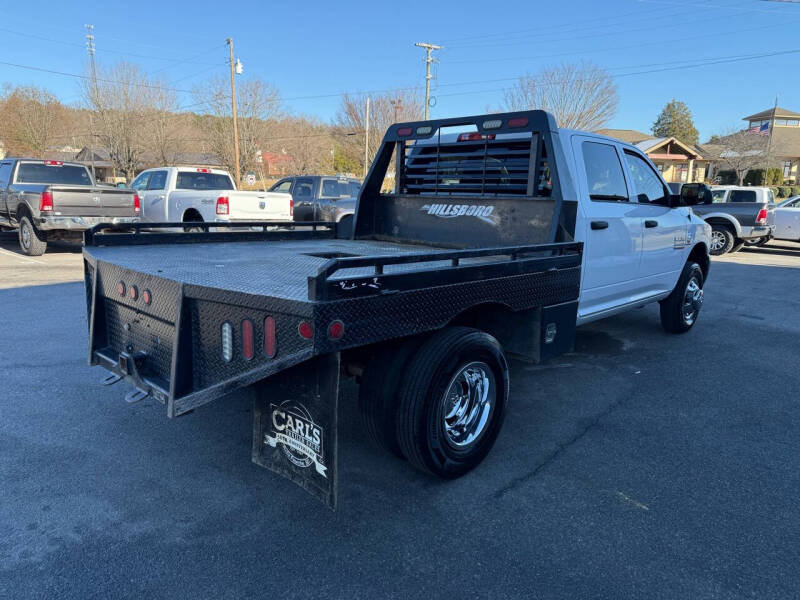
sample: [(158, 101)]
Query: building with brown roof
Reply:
[(784, 128), (677, 161)]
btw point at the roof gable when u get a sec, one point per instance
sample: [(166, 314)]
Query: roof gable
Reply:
[(779, 113)]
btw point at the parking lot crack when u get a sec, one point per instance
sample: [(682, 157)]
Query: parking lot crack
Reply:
[(560, 449)]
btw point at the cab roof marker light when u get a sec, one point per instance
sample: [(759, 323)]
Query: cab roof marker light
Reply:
[(493, 124), (404, 131), (424, 130), (518, 122)]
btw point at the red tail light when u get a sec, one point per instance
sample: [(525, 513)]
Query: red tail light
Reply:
[(270, 339), (336, 330), (761, 219), (137, 204), (46, 202), (305, 330), (291, 207), (223, 206), (247, 339)]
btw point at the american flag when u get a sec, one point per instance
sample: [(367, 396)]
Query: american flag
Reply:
[(763, 129)]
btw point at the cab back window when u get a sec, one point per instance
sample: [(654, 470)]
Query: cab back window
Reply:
[(188, 180), (55, 174), (336, 188), (742, 196)]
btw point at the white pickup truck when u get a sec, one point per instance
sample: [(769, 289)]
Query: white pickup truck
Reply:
[(192, 194)]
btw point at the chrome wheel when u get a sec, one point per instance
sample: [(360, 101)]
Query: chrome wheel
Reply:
[(717, 240), (468, 404), (25, 234), (692, 301)]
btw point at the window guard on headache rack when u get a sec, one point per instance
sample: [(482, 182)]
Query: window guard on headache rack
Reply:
[(476, 165)]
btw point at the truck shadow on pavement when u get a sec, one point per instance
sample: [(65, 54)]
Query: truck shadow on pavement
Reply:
[(607, 456)]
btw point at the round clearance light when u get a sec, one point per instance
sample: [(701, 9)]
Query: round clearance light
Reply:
[(305, 330), (336, 330), (226, 335), (121, 288), (133, 293), (147, 297)]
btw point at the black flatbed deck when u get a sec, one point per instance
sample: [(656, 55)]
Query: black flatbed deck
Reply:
[(278, 269)]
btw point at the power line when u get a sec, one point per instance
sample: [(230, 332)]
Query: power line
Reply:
[(103, 50), (609, 49)]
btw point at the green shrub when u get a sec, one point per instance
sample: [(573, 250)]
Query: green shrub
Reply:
[(727, 178), (784, 191), (794, 190), (756, 176)]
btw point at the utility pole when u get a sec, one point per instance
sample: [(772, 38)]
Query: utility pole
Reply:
[(90, 50), (428, 60), (234, 67), (366, 141), (396, 104)]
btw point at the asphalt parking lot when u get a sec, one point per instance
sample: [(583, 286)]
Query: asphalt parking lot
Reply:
[(642, 465)]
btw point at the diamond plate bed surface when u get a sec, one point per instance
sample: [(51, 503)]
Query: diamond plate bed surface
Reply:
[(278, 269)]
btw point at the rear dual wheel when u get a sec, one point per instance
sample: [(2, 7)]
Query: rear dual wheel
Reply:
[(446, 401)]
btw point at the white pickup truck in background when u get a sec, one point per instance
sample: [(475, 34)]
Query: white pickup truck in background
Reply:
[(192, 194)]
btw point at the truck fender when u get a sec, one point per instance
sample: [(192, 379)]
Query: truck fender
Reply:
[(724, 219)]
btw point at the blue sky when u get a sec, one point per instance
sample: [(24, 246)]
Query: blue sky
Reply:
[(320, 49)]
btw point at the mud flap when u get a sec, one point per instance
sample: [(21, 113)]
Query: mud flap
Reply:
[(295, 425)]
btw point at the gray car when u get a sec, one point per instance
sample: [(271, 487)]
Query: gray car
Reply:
[(321, 197), (738, 215)]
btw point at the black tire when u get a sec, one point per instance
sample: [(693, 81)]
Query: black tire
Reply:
[(378, 394), (452, 360), (738, 245), (344, 228), (31, 242), (763, 241), (756, 241), (675, 317), (722, 240), (193, 217)]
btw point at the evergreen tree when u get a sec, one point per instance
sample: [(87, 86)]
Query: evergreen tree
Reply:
[(675, 120)]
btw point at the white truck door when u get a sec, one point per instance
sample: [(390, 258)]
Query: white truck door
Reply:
[(664, 229), (787, 221), (154, 197), (609, 226)]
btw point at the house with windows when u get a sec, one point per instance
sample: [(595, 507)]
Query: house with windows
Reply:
[(784, 128), (677, 161)]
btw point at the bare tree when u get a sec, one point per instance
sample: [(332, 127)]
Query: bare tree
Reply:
[(33, 121), (384, 110), (742, 151), (306, 143), (256, 102), (120, 102), (164, 132), (580, 96)]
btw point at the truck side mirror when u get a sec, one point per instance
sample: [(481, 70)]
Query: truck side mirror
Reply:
[(693, 194)]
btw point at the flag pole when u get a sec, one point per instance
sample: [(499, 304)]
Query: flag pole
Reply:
[(769, 140)]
